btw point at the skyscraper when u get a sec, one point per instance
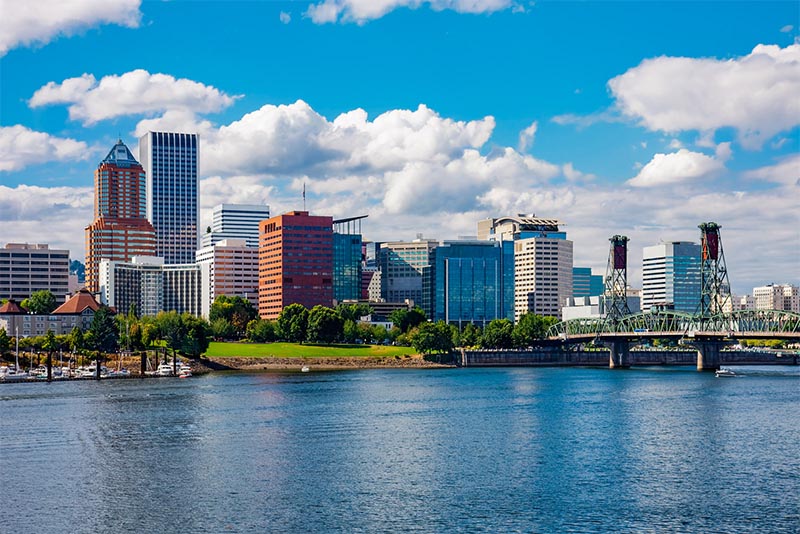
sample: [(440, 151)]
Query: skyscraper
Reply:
[(170, 163), (402, 265), (671, 276), (235, 221), (295, 262), (120, 229)]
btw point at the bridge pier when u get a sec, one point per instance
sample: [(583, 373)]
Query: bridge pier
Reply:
[(708, 357), (620, 357)]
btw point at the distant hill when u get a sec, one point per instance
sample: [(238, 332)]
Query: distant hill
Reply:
[(76, 267)]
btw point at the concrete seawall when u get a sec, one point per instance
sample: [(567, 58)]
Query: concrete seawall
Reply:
[(599, 358)]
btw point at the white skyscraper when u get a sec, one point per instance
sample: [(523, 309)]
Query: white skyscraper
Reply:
[(170, 163), (671, 276), (235, 221), (542, 275)]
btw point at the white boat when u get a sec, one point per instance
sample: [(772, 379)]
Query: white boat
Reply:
[(722, 373), (304, 369), (164, 369), (15, 375), (184, 370)]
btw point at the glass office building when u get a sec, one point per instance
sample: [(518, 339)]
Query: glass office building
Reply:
[(346, 267), (671, 276), (170, 163)]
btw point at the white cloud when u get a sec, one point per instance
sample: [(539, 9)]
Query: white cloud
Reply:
[(362, 11), (787, 28), (678, 167), (787, 172), (285, 17), (756, 94), (39, 21), (132, 93), (527, 136), (20, 147)]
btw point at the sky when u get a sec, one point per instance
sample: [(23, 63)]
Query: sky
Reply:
[(637, 118)]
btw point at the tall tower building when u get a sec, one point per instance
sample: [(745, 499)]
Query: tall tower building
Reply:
[(295, 262), (120, 229), (235, 221), (671, 276), (170, 163)]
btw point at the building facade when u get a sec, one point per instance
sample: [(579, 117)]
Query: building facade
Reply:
[(235, 221), (777, 297), (671, 276), (150, 286), (233, 271), (78, 311), (295, 262), (542, 275), (586, 284), (471, 282), (26, 268), (170, 163), (402, 264)]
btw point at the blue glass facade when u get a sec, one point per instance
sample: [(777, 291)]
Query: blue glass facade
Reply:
[(346, 267), (586, 284), (671, 276), (472, 282)]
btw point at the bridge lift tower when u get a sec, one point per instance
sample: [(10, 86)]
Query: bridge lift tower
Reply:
[(616, 281), (715, 288)]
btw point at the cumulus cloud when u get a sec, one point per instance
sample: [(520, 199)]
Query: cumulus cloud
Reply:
[(285, 17), (132, 93), (20, 147), (677, 167), (787, 28), (362, 11), (527, 136), (756, 94), (787, 172), (28, 22)]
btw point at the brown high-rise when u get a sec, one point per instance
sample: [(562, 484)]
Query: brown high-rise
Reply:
[(295, 262), (120, 229)]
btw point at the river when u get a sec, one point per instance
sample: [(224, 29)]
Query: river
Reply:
[(447, 450)]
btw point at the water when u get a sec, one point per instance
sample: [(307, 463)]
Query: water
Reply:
[(465, 450)]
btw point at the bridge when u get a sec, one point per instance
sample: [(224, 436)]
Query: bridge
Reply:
[(708, 330)]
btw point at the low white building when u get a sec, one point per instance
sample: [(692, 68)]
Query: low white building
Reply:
[(777, 297)]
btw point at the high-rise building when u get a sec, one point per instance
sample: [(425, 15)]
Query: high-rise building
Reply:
[(150, 286), (471, 282), (542, 275), (170, 163), (402, 264), (777, 297), (519, 227), (295, 262), (233, 271), (25, 268), (671, 276), (586, 284), (235, 221), (120, 229)]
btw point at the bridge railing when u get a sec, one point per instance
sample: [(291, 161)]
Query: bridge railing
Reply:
[(765, 321)]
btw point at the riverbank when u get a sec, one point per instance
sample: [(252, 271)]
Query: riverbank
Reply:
[(319, 364)]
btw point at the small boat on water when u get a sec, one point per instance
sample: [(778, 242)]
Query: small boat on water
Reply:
[(722, 373), (304, 369), (165, 369), (184, 371)]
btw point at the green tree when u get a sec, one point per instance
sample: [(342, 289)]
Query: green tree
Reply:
[(40, 302), (350, 311), (531, 327), (498, 334), (293, 322), (350, 331), (324, 325), (75, 340), (470, 336), (5, 341), (261, 331), (407, 319), (171, 329), (104, 331), (433, 338), (238, 311), (196, 340), (221, 328)]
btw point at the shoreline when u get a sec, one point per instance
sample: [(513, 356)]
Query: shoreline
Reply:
[(268, 363)]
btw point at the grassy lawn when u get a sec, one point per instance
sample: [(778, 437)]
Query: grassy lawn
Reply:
[(296, 350)]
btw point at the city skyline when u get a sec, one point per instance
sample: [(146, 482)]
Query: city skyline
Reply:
[(557, 109)]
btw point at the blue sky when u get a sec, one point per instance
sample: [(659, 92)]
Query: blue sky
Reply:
[(635, 118)]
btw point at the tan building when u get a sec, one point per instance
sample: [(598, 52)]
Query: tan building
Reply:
[(233, 271), (78, 311), (777, 297), (542, 275), (26, 268)]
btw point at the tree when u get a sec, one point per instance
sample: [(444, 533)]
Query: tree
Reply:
[(261, 331), (40, 302), (350, 311), (433, 338), (171, 329), (293, 322), (75, 340), (324, 325), (407, 319), (470, 336), (498, 334), (238, 311), (221, 328), (5, 341), (104, 330), (196, 339), (531, 327)]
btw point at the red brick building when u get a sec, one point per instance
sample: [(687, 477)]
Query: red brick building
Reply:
[(295, 262)]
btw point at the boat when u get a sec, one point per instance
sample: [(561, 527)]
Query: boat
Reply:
[(184, 370), (164, 369), (15, 375), (722, 373), (304, 369)]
